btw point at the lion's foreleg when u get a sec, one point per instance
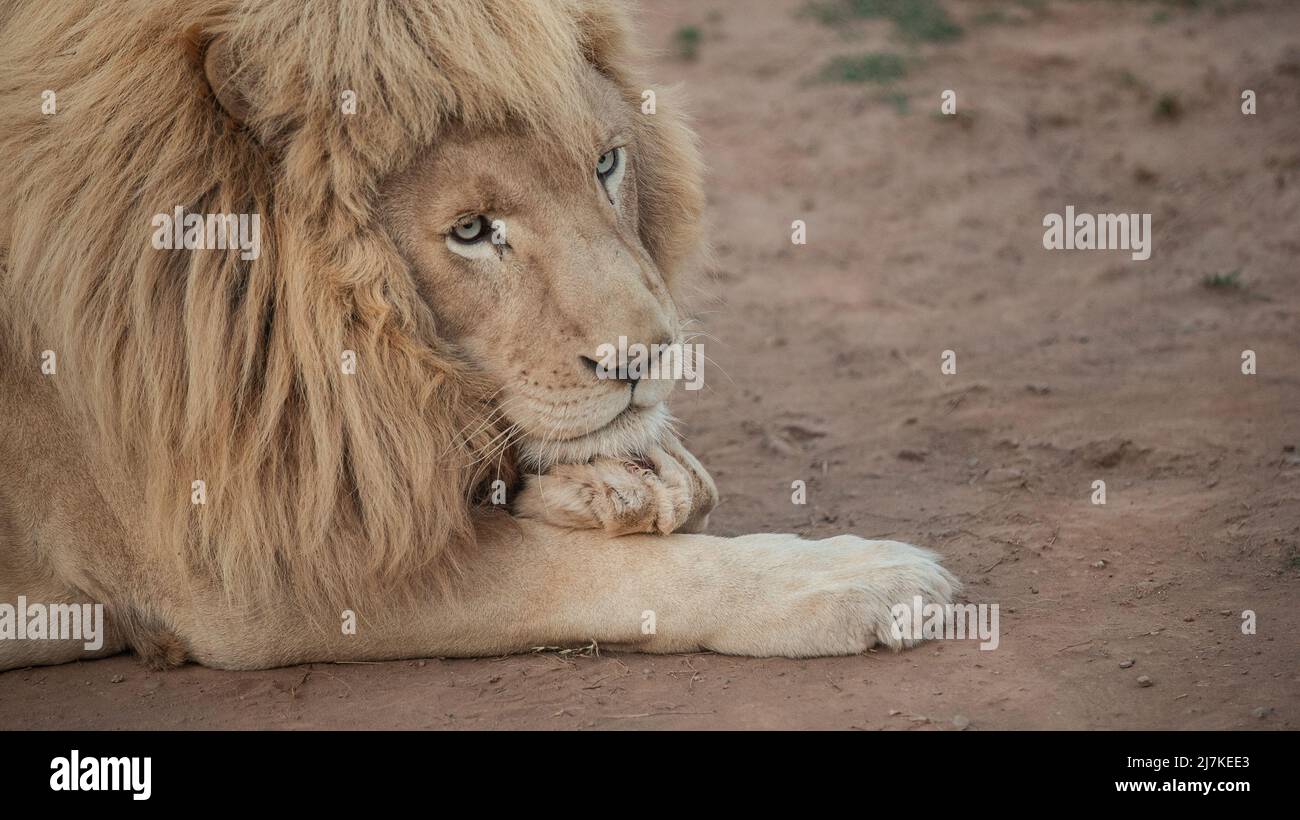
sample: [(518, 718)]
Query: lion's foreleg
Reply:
[(535, 585)]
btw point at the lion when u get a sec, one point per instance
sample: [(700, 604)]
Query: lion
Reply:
[(241, 454)]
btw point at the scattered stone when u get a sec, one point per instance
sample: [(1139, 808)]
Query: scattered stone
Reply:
[(894, 712), (1262, 712), (1005, 475), (1099, 564), (912, 455), (1126, 664), (961, 721), (1225, 611), (1189, 618), (1039, 389), (116, 679), (1143, 680), (1212, 483)]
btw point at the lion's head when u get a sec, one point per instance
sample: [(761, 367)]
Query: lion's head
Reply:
[(534, 258), (186, 365)]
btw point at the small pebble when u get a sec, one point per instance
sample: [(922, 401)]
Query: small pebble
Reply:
[(1143, 680), (961, 721), (1126, 664), (1262, 712)]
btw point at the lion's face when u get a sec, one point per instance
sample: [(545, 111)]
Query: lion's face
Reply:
[(531, 265)]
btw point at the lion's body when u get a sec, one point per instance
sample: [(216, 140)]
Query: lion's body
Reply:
[(322, 489)]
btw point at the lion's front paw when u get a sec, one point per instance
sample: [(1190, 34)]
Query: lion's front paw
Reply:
[(662, 494), (833, 597), (901, 574)]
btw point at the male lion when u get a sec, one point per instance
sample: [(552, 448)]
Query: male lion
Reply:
[(236, 455)]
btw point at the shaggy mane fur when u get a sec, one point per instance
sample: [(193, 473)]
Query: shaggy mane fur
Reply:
[(199, 365)]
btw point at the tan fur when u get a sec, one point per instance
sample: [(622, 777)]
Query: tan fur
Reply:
[(199, 365), (328, 490)]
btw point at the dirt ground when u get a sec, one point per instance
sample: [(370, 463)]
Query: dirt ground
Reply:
[(925, 235)]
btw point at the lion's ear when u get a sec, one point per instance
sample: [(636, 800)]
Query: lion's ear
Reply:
[(222, 72)]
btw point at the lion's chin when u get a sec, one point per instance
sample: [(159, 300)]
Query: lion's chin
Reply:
[(632, 433)]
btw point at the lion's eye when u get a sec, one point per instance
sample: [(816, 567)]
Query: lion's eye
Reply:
[(607, 162), (609, 171), (471, 229)]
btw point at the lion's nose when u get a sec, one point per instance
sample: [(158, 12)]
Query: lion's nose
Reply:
[(620, 365)]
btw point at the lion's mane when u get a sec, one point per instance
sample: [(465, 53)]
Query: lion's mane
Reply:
[(200, 365)]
